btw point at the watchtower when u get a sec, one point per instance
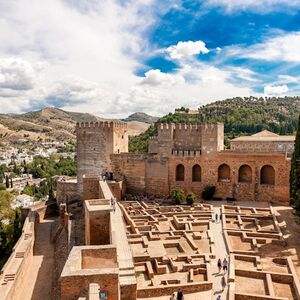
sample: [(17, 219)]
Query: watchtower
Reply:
[(96, 141)]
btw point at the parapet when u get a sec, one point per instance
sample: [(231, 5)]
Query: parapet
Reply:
[(101, 125)]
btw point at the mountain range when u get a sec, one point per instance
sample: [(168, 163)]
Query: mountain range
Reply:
[(54, 124)]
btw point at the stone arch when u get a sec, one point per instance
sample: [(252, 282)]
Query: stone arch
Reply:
[(196, 173), (180, 172), (267, 175), (245, 174), (224, 173)]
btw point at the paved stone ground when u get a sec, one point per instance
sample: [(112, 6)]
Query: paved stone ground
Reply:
[(221, 252), (37, 283)]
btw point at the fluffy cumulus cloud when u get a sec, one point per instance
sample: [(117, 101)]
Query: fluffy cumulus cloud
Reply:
[(186, 49), (90, 63), (156, 77), (275, 89), (17, 74)]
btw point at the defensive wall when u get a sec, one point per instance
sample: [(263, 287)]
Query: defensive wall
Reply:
[(106, 258), (14, 271), (95, 142), (238, 175)]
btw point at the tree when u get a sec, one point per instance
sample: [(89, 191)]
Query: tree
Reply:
[(190, 198), (295, 172), (7, 181), (11, 183), (208, 192), (178, 196), (51, 195)]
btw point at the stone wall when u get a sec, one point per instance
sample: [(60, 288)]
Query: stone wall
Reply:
[(66, 191), (156, 175), (95, 143), (14, 271), (133, 167)]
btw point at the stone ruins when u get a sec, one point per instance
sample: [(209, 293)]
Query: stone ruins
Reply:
[(115, 234)]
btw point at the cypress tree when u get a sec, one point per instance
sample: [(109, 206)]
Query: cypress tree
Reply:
[(6, 181), (295, 172)]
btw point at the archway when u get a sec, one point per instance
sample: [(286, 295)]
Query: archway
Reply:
[(267, 175), (224, 173), (180, 172), (196, 173), (245, 174)]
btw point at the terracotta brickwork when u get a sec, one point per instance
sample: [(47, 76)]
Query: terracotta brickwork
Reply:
[(80, 271), (235, 174), (66, 191), (95, 142)]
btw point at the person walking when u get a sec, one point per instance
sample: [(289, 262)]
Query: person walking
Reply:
[(219, 297), (225, 265), (173, 297), (179, 295), (219, 264), (216, 217)]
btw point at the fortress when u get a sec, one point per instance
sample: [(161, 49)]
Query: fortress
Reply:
[(104, 247), (255, 168)]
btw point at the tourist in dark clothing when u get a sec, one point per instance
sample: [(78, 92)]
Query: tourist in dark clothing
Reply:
[(219, 264), (179, 295)]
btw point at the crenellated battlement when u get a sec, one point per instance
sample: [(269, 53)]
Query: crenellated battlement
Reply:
[(101, 124), (187, 126)]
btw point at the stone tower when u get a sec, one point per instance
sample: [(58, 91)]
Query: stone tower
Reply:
[(95, 143)]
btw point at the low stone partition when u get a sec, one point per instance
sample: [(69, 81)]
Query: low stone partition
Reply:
[(169, 288), (14, 271), (90, 264)]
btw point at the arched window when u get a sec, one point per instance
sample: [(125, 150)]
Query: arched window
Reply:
[(196, 173), (267, 175), (245, 174), (224, 173), (180, 172)]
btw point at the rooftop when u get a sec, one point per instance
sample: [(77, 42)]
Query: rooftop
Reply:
[(265, 136)]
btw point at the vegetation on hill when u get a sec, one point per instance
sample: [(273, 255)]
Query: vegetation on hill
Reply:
[(141, 117), (241, 116), (11, 223), (42, 167), (295, 172)]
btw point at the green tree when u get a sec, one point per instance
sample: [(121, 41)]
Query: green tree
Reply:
[(190, 198), (178, 196), (7, 181), (295, 172), (208, 192)]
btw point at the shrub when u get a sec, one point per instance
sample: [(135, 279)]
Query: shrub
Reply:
[(190, 198), (178, 196), (208, 192)]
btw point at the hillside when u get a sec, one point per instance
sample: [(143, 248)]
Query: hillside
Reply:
[(50, 124), (141, 117), (241, 116)]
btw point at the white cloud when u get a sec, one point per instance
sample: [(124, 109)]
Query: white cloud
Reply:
[(156, 77), (17, 74), (275, 89), (89, 63), (284, 47), (186, 49), (244, 73), (263, 6)]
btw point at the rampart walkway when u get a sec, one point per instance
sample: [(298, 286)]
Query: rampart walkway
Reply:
[(37, 283)]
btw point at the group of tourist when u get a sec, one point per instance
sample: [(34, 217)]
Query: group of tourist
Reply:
[(179, 295), (224, 265)]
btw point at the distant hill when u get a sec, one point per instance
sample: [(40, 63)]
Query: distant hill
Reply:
[(141, 117), (52, 124), (241, 116)]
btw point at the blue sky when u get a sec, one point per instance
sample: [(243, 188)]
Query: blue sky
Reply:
[(115, 57)]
